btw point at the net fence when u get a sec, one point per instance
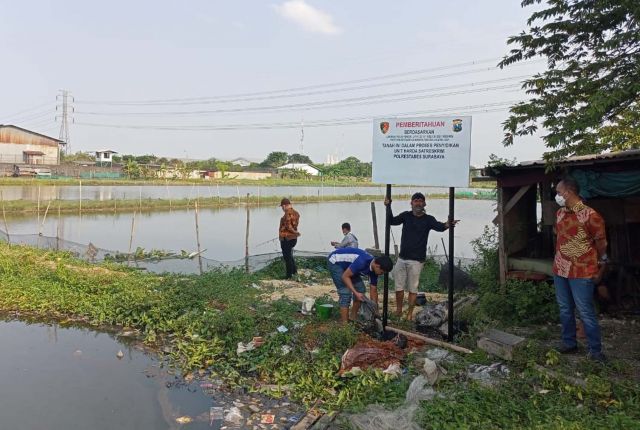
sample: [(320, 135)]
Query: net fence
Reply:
[(161, 261)]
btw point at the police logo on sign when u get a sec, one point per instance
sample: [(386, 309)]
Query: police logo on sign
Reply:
[(457, 125), (384, 127)]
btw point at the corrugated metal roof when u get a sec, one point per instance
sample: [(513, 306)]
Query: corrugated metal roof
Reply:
[(631, 153), (32, 132)]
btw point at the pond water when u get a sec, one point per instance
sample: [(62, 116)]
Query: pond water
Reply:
[(132, 192), (222, 230), (58, 378)]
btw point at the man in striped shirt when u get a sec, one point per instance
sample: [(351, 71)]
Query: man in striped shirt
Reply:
[(349, 240), (347, 266)]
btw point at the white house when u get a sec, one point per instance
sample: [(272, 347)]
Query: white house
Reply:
[(105, 156), (313, 171)]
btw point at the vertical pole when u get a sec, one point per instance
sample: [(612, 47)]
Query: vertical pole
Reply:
[(140, 198), (44, 218), (38, 210), (80, 196), (387, 232), (133, 225), (246, 240), (375, 226), (198, 238), (58, 229), (451, 254), (4, 216), (218, 190)]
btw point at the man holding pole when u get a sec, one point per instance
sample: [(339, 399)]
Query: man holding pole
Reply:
[(416, 225)]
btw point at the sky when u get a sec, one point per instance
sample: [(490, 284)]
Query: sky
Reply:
[(199, 79)]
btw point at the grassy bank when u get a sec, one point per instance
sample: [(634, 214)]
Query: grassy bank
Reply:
[(198, 321), (130, 205)]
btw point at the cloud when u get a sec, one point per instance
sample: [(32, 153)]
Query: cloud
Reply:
[(308, 17)]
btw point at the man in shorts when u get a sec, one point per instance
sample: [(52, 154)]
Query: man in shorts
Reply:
[(416, 225), (347, 266)]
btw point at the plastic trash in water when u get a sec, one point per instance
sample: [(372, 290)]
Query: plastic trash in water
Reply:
[(184, 420), (267, 419), (216, 415)]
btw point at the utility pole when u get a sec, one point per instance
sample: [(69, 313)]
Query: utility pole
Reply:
[(67, 115)]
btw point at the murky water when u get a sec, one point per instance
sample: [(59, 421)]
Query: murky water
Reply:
[(68, 378), (223, 230), (110, 192)]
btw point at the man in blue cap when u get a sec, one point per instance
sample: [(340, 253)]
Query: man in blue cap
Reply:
[(347, 266)]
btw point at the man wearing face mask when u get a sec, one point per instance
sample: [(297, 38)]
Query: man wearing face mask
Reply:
[(416, 225), (578, 266)]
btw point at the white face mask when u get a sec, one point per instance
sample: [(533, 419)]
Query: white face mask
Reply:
[(560, 200)]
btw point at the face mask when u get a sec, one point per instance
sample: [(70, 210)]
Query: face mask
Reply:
[(560, 200)]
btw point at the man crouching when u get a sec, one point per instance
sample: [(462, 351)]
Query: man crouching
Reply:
[(346, 266)]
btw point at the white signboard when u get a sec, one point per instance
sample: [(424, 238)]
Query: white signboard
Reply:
[(422, 151)]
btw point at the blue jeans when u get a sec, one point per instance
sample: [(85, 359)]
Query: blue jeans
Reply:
[(572, 293), (344, 294)]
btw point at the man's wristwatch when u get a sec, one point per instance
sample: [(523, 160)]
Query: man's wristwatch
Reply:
[(604, 259)]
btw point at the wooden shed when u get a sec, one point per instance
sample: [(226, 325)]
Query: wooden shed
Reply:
[(609, 183)]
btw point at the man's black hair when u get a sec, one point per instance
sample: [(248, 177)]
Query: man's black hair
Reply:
[(346, 225), (385, 263), (572, 184)]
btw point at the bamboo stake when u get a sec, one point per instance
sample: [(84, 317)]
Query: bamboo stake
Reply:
[(140, 198), (218, 189), (429, 340), (166, 184), (133, 225), (246, 240), (4, 216), (44, 218), (58, 229), (80, 196), (198, 238), (38, 211)]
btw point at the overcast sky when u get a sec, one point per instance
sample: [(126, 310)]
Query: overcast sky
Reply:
[(147, 76)]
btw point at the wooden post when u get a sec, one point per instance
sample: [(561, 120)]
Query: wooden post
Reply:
[(4, 216), (58, 229), (166, 184), (140, 198), (44, 218), (238, 191), (246, 240), (375, 226), (38, 210), (80, 196), (133, 226), (198, 237), (218, 190)]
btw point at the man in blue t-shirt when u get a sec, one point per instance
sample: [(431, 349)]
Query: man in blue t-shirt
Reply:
[(346, 266)]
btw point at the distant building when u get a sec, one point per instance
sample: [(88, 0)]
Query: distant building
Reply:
[(104, 156), (21, 146), (242, 162), (313, 171)]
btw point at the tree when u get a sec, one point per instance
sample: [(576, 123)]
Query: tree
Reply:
[(299, 158), (132, 169), (276, 159), (592, 82)]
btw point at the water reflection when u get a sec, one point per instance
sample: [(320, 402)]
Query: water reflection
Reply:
[(222, 230)]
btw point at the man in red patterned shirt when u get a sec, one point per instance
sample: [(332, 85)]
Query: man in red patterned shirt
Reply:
[(288, 234), (581, 256)]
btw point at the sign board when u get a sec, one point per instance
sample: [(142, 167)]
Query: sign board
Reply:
[(422, 151)]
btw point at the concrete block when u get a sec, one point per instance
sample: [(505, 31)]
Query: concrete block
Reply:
[(500, 343)]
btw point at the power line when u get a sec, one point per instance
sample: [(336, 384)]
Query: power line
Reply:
[(250, 96), (352, 101), (19, 113), (486, 107)]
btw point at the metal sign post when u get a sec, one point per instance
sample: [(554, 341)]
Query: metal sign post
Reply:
[(451, 227), (387, 231)]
